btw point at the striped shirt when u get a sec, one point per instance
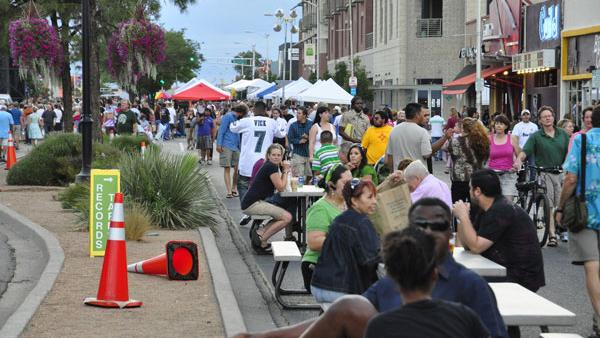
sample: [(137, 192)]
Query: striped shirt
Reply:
[(325, 157)]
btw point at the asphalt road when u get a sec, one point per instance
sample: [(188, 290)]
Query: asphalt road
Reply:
[(564, 282)]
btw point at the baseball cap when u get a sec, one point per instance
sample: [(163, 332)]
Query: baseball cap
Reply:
[(525, 112)]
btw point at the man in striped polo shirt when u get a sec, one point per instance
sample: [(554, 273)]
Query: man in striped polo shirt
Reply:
[(326, 156)]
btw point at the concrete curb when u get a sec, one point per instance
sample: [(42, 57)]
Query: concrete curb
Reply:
[(262, 282), (233, 321), (17, 322)]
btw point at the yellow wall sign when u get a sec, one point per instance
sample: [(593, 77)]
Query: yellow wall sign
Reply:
[(103, 186)]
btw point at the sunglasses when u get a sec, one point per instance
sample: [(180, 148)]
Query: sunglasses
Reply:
[(354, 183), (434, 226)]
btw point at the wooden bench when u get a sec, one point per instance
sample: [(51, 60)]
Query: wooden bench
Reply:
[(285, 252), (560, 335)]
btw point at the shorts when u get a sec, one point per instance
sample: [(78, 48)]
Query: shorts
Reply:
[(553, 187), (265, 208), (204, 143), (508, 183), (18, 130), (301, 166), (229, 158), (583, 246)]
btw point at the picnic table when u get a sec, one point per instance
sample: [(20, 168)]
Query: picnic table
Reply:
[(303, 196), (520, 307), (479, 264)]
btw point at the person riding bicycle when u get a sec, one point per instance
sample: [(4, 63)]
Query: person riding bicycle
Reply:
[(549, 148), (503, 149)]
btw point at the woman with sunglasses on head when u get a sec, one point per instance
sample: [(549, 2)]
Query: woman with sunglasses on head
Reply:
[(350, 253), (357, 163), (320, 215), (320, 124), (271, 176)]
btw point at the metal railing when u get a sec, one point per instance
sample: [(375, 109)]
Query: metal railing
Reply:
[(369, 40), (428, 28)]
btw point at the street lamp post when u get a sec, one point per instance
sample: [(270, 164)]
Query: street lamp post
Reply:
[(282, 19), (351, 38), (86, 121), (478, 79)]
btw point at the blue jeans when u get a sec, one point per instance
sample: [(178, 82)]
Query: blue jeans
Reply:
[(438, 155), (530, 160), (325, 296), (243, 182)]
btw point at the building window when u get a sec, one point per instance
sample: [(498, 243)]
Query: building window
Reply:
[(430, 23), (431, 9), (424, 82), (545, 79)]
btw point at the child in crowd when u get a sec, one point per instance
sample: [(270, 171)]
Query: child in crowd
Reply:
[(326, 156)]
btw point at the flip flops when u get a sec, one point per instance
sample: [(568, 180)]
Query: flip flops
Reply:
[(257, 244), (235, 194), (229, 196)]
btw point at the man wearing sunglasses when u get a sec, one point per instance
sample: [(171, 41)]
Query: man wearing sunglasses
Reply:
[(348, 317)]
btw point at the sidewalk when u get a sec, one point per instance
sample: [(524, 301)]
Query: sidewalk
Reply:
[(171, 308)]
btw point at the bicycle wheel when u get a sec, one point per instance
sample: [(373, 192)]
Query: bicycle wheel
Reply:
[(541, 218)]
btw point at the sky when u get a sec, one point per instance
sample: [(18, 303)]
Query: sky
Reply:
[(220, 26)]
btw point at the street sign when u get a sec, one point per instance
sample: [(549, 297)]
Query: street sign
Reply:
[(239, 61), (103, 186), (353, 91), (596, 78), (294, 54), (353, 81)]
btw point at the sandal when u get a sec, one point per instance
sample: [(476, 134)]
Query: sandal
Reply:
[(552, 242), (229, 196), (235, 194), (264, 250)]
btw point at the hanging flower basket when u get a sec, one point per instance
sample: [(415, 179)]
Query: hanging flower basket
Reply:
[(35, 48), (135, 49)]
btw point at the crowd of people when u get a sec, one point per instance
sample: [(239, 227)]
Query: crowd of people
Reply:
[(346, 152)]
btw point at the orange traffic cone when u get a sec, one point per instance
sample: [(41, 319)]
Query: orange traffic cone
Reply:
[(113, 289), (11, 155), (180, 262)]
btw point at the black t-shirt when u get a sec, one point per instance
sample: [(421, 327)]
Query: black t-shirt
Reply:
[(48, 116), (262, 186), (427, 318), (125, 122), (516, 245)]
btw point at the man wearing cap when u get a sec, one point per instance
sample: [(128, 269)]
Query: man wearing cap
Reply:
[(522, 131), (6, 126)]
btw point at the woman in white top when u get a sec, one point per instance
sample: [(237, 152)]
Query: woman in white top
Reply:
[(321, 123)]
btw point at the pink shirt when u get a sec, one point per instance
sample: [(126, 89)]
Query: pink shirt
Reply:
[(582, 131), (432, 187), (501, 155)]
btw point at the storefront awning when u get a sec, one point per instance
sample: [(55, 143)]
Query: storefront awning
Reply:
[(463, 81)]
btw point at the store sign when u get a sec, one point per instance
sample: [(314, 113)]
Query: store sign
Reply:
[(309, 54), (532, 62), (549, 22), (104, 184), (467, 53), (294, 54)]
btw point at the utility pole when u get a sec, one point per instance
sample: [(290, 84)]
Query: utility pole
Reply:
[(478, 79), (267, 59), (351, 38), (317, 63), (290, 51), (284, 60), (253, 60)]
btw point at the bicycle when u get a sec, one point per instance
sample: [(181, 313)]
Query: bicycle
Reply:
[(533, 193)]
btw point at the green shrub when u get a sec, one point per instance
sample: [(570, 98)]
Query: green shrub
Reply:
[(74, 195), (137, 221), (171, 187), (57, 161), (131, 144)]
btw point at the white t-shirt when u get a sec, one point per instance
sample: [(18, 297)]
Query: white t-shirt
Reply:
[(523, 130), (409, 140), (437, 122), (172, 115), (136, 112), (257, 135), (58, 118)]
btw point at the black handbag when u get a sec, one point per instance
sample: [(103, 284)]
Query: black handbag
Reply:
[(575, 213)]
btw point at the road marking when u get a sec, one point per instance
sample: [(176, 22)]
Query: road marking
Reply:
[(181, 147)]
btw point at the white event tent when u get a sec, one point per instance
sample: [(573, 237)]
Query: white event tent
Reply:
[(238, 85), (327, 92), (292, 89)]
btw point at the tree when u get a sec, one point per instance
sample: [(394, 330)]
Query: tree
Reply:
[(326, 76), (342, 77), (183, 62), (247, 62)]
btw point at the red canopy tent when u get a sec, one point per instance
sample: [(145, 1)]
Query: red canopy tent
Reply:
[(201, 91)]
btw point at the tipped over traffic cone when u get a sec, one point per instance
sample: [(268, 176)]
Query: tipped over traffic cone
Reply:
[(180, 262), (113, 290), (11, 155)]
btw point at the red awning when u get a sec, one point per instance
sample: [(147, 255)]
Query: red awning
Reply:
[(201, 92), (455, 91), (470, 79)]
